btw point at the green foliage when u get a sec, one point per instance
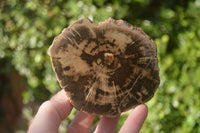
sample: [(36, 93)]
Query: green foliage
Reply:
[(28, 28)]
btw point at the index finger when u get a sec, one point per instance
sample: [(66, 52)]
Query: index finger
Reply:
[(51, 113), (135, 119)]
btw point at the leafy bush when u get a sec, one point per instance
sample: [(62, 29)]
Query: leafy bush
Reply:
[(28, 28)]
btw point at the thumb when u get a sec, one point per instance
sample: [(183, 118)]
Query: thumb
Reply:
[(51, 113)]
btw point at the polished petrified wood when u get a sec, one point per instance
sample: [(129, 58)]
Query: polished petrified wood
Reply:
[(105, 68)]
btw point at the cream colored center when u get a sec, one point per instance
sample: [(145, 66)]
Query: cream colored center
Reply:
[(109, 57)]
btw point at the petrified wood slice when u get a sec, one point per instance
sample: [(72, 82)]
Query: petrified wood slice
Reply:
[(105, 68)]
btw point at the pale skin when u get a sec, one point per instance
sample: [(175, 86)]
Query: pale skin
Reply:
[(52, 112)]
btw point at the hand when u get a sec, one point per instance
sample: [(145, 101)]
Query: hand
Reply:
[(52, 112)]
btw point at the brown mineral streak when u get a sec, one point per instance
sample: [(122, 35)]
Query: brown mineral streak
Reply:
[(105, 68)]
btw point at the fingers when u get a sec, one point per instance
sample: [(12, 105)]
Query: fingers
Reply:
[(107, 125), (50, 114), (81, 123), (61, 104), (135, 120)]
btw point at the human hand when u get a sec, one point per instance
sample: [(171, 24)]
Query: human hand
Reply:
[(52, 112)]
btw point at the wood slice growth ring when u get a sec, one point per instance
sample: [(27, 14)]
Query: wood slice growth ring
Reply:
[(105, 68)]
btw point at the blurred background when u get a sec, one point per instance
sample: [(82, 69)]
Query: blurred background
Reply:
[(28, 27)]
